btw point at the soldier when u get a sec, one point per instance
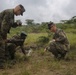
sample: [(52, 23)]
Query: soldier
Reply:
[(13, 43), (59, 45), (6, 22)]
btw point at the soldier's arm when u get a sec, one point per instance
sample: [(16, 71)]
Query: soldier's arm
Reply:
[(14, 40), (62, 37), (23, 51), (10, 41), (5, 26), (16, 24)]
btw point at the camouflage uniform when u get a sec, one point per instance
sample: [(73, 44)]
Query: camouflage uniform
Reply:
[(6, 22), (61, 44), (13, 43)]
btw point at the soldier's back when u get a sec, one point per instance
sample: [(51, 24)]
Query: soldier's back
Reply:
[(8, 14)]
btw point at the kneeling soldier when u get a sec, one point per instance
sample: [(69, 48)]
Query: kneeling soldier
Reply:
[(13, 43), (59, 45)]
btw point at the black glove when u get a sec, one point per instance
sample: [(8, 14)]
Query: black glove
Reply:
[(16, 24), (19, 23)]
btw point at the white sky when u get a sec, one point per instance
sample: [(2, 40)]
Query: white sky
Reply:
[(43, 10)]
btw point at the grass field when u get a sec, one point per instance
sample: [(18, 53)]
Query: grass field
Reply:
[(40, 63)]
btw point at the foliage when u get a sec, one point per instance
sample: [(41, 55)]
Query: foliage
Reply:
[(42, 40), (40, 62)]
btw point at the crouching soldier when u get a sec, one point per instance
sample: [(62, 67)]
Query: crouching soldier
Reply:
[(13, 43), (59, 45)]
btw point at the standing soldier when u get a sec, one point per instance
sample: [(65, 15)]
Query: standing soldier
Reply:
[(6, 22), (59, 45)]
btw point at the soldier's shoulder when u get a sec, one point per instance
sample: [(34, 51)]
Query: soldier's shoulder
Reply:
[(60, 30), (7, 11)]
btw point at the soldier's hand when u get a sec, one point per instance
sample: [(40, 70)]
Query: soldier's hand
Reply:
[(45, 50), (19, 23), (52, 41)]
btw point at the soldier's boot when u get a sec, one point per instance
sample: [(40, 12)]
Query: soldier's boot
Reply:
[(55, 55), (54, 52), (63, 54)]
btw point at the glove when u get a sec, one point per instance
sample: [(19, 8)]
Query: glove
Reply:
[(45, 50), (52, 41), (19, 23)]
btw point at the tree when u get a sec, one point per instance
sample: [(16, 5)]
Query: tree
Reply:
[(29, 21)]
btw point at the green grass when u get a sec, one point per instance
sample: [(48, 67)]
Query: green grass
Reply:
[(33, 37), (72, 40), (43, 63)]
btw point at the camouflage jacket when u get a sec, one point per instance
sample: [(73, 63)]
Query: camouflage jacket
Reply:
[(6, 21), (61, 37), (17, 41)]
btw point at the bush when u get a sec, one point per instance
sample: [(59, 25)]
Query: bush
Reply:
[(42, 41)]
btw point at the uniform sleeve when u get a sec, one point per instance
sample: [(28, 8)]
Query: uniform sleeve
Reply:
[(12, 40), (62, 37), (16, 40), (5, 26), (23, 51)]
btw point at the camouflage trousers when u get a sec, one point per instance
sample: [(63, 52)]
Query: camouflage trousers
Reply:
[(10, 51), (2, 51), (58, 49)]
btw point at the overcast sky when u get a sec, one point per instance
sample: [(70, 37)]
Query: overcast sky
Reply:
[(43, 10)]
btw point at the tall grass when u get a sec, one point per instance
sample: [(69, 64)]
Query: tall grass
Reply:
[(41, 63)]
